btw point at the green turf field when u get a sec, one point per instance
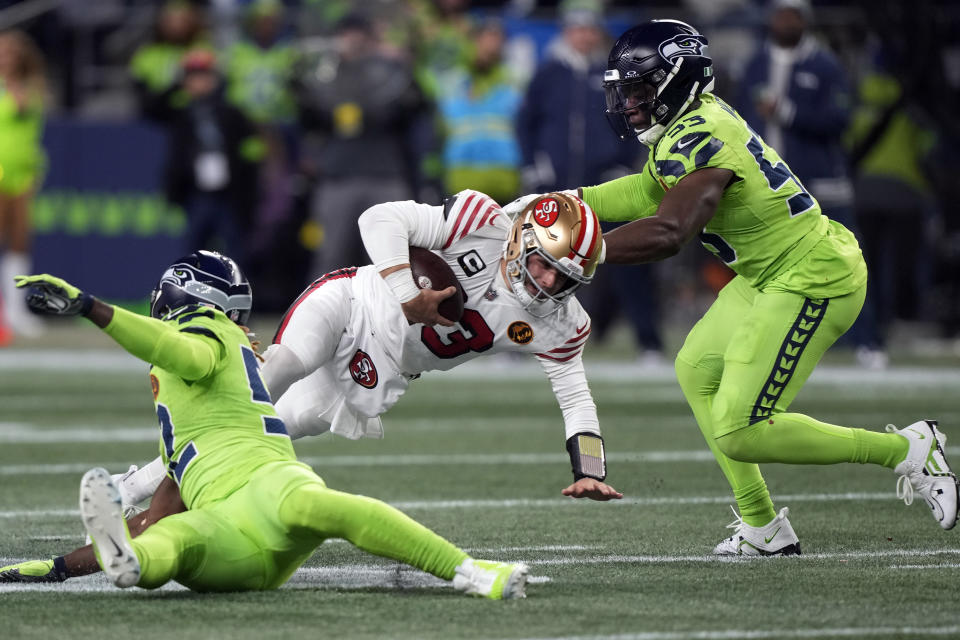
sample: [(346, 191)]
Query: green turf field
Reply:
[(479, 457)]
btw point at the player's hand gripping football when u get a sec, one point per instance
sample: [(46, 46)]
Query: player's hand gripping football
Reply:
[(424, 308), (593, 489), (50, 295)]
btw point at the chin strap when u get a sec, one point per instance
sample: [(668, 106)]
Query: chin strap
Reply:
[(653, 133), (587, 456)]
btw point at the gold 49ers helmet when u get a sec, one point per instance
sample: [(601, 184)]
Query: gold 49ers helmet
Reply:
[(564, 231)]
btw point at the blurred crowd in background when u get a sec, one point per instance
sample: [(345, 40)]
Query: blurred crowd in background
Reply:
[(284, 121)]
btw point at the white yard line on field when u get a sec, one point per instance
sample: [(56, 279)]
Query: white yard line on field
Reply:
[(403, 460), (757, 634), (338, 577), (527, 503), (98, 360)]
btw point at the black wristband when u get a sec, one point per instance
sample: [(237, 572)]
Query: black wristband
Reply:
[(587, 456), (86, 303)]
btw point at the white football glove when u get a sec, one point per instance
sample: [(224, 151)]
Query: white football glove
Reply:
[(515, 208)]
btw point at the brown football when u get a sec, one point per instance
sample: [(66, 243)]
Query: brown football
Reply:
[(431, 272)]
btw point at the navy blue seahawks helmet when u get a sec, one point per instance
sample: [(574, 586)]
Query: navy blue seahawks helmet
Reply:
[(206, 278), (660, 67)]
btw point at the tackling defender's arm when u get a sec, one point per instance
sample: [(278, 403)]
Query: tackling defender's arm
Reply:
[(683, 213)]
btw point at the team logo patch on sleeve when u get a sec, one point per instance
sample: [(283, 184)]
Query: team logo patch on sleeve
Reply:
[(520, 332), (363, 370), (546, 212)]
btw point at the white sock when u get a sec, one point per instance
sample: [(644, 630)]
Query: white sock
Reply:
[(142, 483)]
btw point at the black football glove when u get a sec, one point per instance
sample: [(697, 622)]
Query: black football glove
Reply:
[(53, 296)]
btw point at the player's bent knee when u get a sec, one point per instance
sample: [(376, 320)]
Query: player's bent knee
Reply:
[(699, 379), (739, 445)]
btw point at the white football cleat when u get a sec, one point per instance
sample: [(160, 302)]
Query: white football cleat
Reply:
[(102, 514), (130, 508), (925, 471), (776, 538), (494, 580)]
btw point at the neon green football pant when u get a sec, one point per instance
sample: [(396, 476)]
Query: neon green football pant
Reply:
[(260, 534), (740, 368)]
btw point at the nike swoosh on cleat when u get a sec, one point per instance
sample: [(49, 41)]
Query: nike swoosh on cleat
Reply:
[(119, 551), (919, 435), (767, 540)]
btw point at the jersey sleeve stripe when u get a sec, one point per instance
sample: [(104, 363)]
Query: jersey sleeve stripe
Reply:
[(201, 331), (471, 227), (456, 224), (346, 272), (468, 226), (575, 347), (486, 215), (555, 359)]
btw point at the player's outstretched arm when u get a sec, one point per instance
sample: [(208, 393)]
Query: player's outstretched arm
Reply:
[(683, 213), (190, 356), (83, 562)]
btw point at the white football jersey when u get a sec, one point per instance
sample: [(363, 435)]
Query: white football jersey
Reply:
[(469, 233), (349, 332)]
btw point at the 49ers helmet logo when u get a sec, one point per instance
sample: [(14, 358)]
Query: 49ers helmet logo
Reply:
[(546, 212), (520, 332), (363, 371)]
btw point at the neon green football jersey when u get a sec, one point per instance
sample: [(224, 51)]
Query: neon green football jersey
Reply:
[(767, 227), (217, 430)]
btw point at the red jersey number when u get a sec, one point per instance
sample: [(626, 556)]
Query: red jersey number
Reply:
[(476, 336)]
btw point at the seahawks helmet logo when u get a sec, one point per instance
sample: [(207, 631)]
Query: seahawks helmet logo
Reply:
[(178, 276), (683, 44)]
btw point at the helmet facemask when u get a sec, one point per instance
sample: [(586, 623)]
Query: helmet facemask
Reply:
[(564, 234)]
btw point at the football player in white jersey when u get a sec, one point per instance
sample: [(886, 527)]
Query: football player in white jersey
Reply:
[(345, 351)]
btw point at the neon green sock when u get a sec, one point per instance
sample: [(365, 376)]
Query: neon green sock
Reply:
[(749, 489), (754, 503), (793, 438)]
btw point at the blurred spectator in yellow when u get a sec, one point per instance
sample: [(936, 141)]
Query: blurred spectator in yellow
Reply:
[(362, 107), (23, 95), (478, 106), (566, 142), (155, 65), (213, 160), (259, 71), (890, 143), (259, 67), (440, 41)]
